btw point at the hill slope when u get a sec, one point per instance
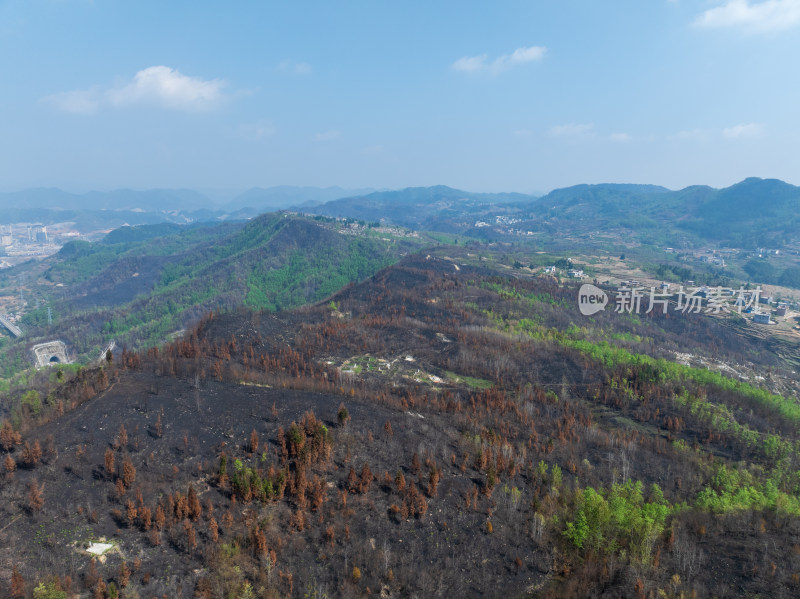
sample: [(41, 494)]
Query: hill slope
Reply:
[(443, 431), (438, 208), (142, 284)]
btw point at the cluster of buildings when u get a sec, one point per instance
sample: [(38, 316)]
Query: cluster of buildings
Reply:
[(572, 273), (718, 257), (20, 242), (774, 307), (762, 252), (504, 224), (33, 234)]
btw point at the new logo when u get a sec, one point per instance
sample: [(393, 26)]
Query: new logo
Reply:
[(591, 299)]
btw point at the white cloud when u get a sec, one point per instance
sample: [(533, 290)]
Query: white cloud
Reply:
[(620, 137), (163, 86), (298, 68), (470, 63), (159, 86), (756, 17), (572, 130), (523, 55), (744, 131), (327, 135), (481, 63)]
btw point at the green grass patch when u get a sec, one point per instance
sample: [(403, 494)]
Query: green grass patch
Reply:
[(471, 382)]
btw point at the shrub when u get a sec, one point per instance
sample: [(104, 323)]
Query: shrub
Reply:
[(342, 415), (50, 590)]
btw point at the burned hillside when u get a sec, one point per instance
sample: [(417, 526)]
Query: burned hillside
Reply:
[(438, 429)]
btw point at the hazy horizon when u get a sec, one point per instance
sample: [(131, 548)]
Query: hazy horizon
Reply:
[(222, 197)]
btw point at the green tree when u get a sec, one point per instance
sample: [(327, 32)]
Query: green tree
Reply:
[(33, 400), (342, 415), (620, 520), (761, 271), (588, 530), (50, 590), (791, 277)]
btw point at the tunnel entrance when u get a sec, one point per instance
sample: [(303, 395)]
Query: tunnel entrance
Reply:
[(50, 353)]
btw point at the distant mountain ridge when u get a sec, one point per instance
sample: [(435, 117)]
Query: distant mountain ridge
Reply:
[(151, 200), (111, 209), (752, 212), (438, 208), (186, 200), (287, 196)]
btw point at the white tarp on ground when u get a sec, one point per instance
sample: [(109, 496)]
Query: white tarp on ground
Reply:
[(99, 548)]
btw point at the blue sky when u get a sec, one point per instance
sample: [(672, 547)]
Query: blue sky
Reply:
[(504, 96)]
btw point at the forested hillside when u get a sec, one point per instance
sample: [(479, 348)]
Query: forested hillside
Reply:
[(440, 429), (141, 284)]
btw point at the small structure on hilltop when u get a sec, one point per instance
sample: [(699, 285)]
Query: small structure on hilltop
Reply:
[(49, 353), (761, 318)]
